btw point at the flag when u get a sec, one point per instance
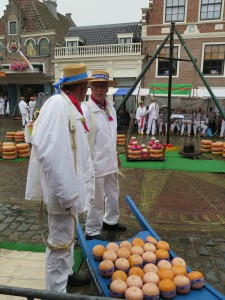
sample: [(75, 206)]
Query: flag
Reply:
[(26, 60)]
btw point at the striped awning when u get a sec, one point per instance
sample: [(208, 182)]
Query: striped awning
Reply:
[(124, 91)]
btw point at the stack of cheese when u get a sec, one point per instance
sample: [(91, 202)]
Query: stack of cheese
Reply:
[(206, 146), (23, 150), (134, 149), (121, 140), (0, 149), (155, 149), (19, 136), (217, 148), (10, 136), (223, 149), (9, 151)]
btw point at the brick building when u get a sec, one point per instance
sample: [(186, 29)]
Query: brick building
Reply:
[(30, 28), (201, 24)]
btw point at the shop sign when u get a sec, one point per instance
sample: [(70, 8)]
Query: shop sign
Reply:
[(176, 89)]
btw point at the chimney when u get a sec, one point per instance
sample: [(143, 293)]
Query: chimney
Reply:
[(52, 6), (69, 16)]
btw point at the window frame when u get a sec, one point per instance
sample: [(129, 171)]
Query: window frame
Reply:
[(177, 21), (127, 37), (39, 46), (16, 27), (210, 19), (157, 75), (203, 61)]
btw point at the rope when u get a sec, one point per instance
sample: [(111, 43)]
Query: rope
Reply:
[(51, 247)]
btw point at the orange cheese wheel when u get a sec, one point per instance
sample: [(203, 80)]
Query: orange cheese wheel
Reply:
[(8, 148), (219, 149), (156, 151), (217, 144), (23, 151), (206, 150), (134, 152), (22, 146), (12, 153), (23, 155), (206, 142), (217, 153), (9, 157), (206, 146)]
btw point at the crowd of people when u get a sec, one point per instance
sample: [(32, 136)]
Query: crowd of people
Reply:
[(153, 120)]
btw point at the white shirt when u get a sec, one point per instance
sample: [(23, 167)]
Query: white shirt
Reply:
[(23, 107), (153, 111)]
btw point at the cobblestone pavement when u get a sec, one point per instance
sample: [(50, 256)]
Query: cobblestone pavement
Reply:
[(187, 209)]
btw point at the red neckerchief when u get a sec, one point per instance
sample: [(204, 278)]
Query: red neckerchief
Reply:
[(102, 107), (77, 105)]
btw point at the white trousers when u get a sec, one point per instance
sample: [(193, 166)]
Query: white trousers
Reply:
[(141, 130), (25, 119), (187, 128), (202, 127), (222, 130), (59, 263), (31, 113), (151, 126), (105, 206)]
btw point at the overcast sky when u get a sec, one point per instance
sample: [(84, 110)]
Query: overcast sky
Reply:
[(97, 12)]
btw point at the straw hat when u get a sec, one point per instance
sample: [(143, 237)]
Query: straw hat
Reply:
[(73, 74), (103, 76)]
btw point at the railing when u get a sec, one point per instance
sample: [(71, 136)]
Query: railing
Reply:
[(98, 50), (32, 294)]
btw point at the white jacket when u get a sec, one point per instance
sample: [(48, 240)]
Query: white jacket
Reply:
[(105, 140), (153, 111), (141, 112), (51, 172)]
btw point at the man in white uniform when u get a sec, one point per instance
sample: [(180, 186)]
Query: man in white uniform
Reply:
[(100, 115), (32, 105), (141, 114), (153, 113), (24, 111), (61, 173)]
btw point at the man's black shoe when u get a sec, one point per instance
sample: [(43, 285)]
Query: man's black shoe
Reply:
[(116, 227), (80, 279), (93, 237)]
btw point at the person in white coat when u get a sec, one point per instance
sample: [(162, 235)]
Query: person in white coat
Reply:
[(62, 174), (24, 111), (153, 113), (141, 114), (2, 104), (32, 105), (100, 115)]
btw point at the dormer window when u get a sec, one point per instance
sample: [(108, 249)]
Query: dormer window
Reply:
[(74, 42), (125, 38)]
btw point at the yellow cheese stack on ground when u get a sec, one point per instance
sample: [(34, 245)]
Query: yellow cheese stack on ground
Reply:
[(217, 148), (23, 150), (10, 135), (206, 146), (9, 151), (156, 153), (121, 140), (223, 149), (19, 136)]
